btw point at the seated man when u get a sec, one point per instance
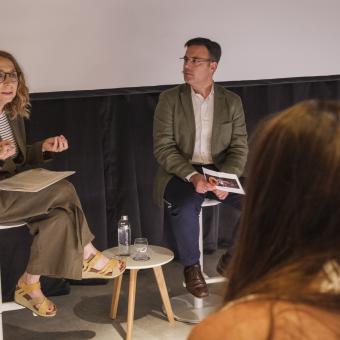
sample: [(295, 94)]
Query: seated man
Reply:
[(196, 124)]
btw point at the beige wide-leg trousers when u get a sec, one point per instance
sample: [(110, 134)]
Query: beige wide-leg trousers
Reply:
[(56, 220)]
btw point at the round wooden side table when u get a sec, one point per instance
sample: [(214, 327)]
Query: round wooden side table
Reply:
[(158, 257)]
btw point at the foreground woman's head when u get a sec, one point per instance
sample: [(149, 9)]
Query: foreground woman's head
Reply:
[(292, 212), (13, 90)]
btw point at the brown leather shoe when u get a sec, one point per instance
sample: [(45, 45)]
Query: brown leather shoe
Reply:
[(223, 263), (195, 282)]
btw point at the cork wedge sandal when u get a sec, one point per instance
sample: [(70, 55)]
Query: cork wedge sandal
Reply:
[(112, 269), (38, 305)]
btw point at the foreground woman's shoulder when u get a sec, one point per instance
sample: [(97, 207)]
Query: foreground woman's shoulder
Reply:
[(256, 319), (246, 320)]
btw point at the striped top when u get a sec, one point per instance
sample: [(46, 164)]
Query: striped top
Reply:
[(6, 132)]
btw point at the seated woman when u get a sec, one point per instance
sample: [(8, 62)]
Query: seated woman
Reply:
[(62, 239), (285, 275)]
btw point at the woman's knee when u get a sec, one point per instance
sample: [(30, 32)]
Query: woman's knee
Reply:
[(66, 190)]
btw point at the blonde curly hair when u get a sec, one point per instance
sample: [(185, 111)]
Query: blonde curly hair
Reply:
[(20, 105)]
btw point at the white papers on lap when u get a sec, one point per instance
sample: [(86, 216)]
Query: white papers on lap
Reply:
[(223, 181), (33, 180)]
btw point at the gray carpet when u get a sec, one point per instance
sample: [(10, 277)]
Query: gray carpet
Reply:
[(84, 314)]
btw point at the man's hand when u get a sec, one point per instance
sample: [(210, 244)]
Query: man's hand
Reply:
[(55, 144), (200, 184), (7, 149), (220, 194)]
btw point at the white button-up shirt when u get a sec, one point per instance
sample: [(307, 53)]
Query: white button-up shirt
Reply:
[(204, 114)]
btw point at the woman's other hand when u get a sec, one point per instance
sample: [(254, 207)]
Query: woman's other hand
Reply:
[(7, 149), (55, 144)]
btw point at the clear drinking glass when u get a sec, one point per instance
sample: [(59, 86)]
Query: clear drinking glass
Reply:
[(141, 249)]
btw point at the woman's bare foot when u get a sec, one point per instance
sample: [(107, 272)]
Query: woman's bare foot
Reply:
[(90, 251)]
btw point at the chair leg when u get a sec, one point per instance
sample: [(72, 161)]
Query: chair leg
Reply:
[(200, 244), (164, 293), (1, 329)]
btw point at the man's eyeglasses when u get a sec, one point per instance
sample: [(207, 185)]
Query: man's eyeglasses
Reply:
[(195, 61), (12, 76)]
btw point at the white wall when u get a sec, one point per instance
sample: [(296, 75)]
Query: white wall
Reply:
[(93, 44)]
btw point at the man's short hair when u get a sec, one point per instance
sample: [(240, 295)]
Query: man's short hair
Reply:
[(212, 46)]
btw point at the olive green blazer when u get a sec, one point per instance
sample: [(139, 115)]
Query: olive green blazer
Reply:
[(28, 154), (174, 135)]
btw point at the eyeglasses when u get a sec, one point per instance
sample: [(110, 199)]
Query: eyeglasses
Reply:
[(12, 76), (194, 61)]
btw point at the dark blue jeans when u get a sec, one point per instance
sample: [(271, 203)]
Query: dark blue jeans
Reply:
[(184, 205)]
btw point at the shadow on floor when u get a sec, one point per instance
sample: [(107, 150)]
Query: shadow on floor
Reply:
[(15, 332), (97, 308)]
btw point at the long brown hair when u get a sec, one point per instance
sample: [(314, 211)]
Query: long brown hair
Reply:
[(20, 104), (291, 220)]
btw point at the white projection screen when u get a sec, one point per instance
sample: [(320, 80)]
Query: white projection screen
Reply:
[(70, 45)]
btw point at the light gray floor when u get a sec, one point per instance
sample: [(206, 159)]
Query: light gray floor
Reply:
[(84, 314)]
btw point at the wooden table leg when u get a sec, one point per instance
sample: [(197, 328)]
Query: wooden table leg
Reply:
[(131, 303), (115, 296), (164, 293)]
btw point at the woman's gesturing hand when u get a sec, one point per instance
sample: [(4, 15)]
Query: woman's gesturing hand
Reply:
[(55, 144)]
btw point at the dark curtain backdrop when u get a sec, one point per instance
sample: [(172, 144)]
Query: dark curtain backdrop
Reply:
[(110, 136)]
